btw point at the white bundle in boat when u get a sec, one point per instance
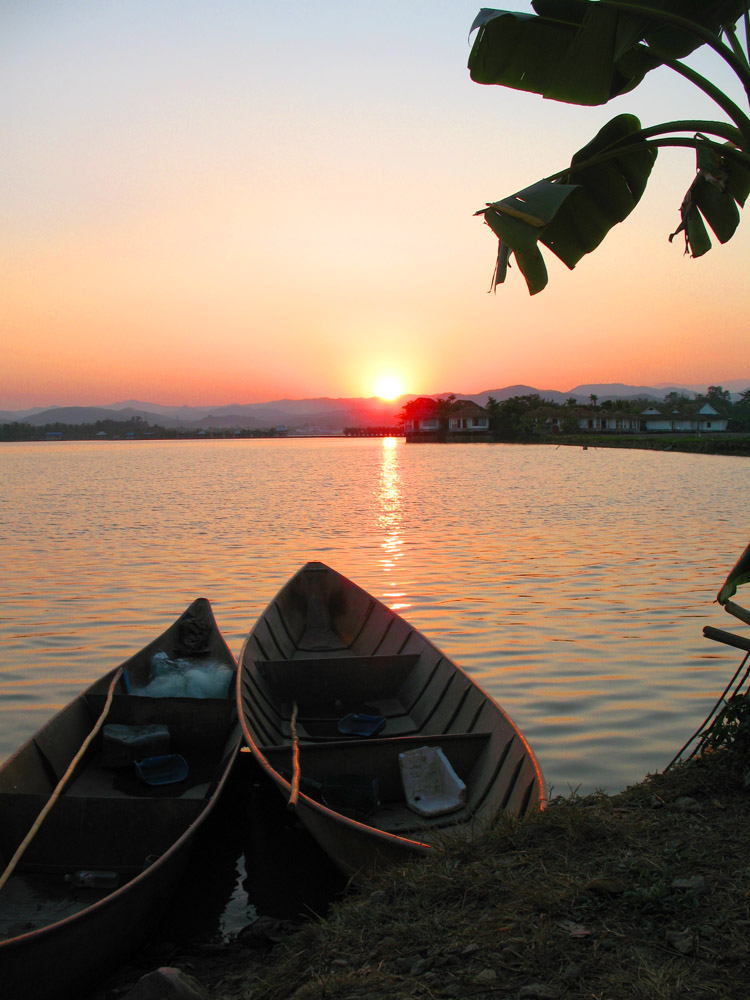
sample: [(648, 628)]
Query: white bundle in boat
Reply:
[(185, 678)]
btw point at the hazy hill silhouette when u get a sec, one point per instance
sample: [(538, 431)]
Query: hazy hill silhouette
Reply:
[(324, 414)]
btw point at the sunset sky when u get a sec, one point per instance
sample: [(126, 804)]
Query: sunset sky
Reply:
[(240, 201)]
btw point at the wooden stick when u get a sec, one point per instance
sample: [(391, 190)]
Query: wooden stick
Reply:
[(729, 638), (295, 759), (61, 783), (737, 611)]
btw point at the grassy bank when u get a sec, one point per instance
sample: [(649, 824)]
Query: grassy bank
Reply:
[(705, 444), (643, 894), (640, 895)]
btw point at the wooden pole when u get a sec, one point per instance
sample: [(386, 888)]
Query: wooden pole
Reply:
[(730, 638), (61, 783), (294, 795), (737, 611)]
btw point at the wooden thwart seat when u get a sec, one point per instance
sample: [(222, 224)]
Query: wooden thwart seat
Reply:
[(320, 684), (378, 757), (111, 833)]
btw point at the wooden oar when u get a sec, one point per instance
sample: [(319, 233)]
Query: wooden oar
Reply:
[(61, 783), (294, 795)]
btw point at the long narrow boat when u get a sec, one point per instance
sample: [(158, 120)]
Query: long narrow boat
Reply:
[(386, 746), (109, 854)]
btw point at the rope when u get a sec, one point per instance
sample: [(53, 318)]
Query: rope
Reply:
[(295, 759), (61, 783), (703, 726)]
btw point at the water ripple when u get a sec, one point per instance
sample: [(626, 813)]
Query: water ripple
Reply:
[(573, 585)]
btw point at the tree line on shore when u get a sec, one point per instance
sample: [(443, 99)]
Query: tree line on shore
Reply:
[(136, 427), (512, 419), (517, 418)]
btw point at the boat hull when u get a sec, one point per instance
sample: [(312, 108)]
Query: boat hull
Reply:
[(78, 952), (57, 938), (326, 654)]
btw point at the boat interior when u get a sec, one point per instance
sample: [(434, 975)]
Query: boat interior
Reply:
[(144, 779), (325, 652), (108, 817), (414, 692), (422, 705)]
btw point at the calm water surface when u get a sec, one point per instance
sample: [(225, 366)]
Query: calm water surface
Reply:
[(573, 585)]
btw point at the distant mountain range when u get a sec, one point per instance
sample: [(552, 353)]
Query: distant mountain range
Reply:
[(324, 415)]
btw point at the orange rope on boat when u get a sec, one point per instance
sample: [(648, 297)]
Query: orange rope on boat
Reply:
[(294, 795), (61, 783)]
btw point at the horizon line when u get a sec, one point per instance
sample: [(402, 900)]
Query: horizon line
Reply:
[(132, 402)]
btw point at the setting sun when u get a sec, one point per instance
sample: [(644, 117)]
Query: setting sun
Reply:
[(389, 386)]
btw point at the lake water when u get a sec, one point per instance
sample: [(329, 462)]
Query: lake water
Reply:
[(572, 584)]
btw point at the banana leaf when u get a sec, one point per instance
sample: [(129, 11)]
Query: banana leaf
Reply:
[(584, 52), (572, 214), (559, 59), (739, 574), (720, 185), (670, 41)]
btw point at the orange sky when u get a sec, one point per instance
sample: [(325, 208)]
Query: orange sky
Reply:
[(217, 203)]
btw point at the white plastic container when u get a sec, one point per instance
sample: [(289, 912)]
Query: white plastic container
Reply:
[(431, 786)]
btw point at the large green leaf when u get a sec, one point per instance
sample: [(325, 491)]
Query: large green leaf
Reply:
[(664, 37), (560, 59), (608, 190), (518, 222), (738, 575), (670, 41), (732, 172), (721, 184), (737, 179), (572, 214), (585, 52)]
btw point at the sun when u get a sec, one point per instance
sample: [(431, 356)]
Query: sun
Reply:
[(389, 386)]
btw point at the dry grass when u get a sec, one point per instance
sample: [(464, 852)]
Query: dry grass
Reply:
[(578, 902)]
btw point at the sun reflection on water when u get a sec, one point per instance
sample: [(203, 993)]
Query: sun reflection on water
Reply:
[(389, 517)]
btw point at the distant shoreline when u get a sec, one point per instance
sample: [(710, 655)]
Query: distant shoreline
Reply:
[(724, 443)]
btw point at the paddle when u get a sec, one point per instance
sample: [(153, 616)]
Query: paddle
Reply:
[(61, 783)]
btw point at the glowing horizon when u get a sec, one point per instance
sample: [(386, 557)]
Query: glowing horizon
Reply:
[(216, 229)]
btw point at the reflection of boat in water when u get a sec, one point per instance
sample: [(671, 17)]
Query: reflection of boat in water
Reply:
[(276, 842), (327, 663), (252, 861), (55, 937)]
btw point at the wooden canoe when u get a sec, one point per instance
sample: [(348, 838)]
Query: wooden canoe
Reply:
[(324, 653), (56, 938)]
